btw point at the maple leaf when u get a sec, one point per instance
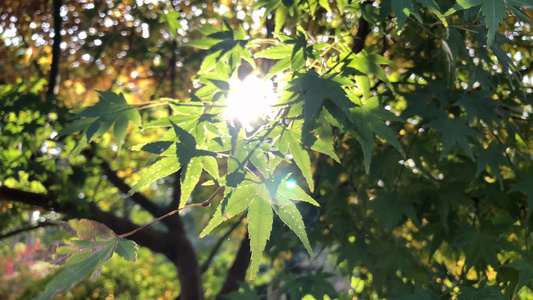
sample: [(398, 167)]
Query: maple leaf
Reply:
[(315, 90), (93, 246), (370, 118), (480, 106), (494, 12), (453, 131), (95, 120), (260, 219), (187, 156), (259, 200), (402, 9)]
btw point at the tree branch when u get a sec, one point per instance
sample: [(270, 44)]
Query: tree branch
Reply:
[(53, 83), (174, 244), (362, 32), (238, 269), (148, 205), (217, 246), (148, 237), (22, 230)]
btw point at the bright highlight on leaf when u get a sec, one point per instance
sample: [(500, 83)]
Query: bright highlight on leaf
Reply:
[(291, 184), (250, 99)]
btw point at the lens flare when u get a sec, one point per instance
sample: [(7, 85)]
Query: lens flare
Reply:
[(250, 99)]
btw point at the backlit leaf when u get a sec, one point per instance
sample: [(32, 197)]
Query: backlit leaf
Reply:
[(162, 168), (289, 214), (96, 120), (234, 203), (260, 219), (190, 175)]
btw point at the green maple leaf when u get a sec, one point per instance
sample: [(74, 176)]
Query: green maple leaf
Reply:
[(315, 90), (525, 272), (162, 168), (369, 119), (194, 119), (290, 215), (277, 52), (480, 247), (94, 121), (322, 140), (172, 19), (258, 199), (299, 153), (93, 246), (368, 63), (480, 106), (289, 190), (187, 156), (494, 12), (284, 53), (391, 208), (402, 9), (235, 201), (260, 220), (453, 131), (463, 4)]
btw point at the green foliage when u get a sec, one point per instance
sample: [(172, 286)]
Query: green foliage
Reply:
[(95, 120), (409, 161)]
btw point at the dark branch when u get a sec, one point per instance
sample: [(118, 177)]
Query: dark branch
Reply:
[(217, 246), (53, 84), (362, 32), (147, 237), (176, 194), (39, 200), (124, 188), (237, 272), (148, 205), (26, 229)]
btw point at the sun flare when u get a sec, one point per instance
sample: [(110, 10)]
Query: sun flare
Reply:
[(250, 99)]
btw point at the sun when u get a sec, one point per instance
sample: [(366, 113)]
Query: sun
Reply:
[(250, 99)]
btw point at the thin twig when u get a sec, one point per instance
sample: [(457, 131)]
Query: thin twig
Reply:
[(406, 158), (170, 213)]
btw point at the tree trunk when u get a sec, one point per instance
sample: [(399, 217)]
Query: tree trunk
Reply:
[(180, 251), (237, 272), (53, 82)]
